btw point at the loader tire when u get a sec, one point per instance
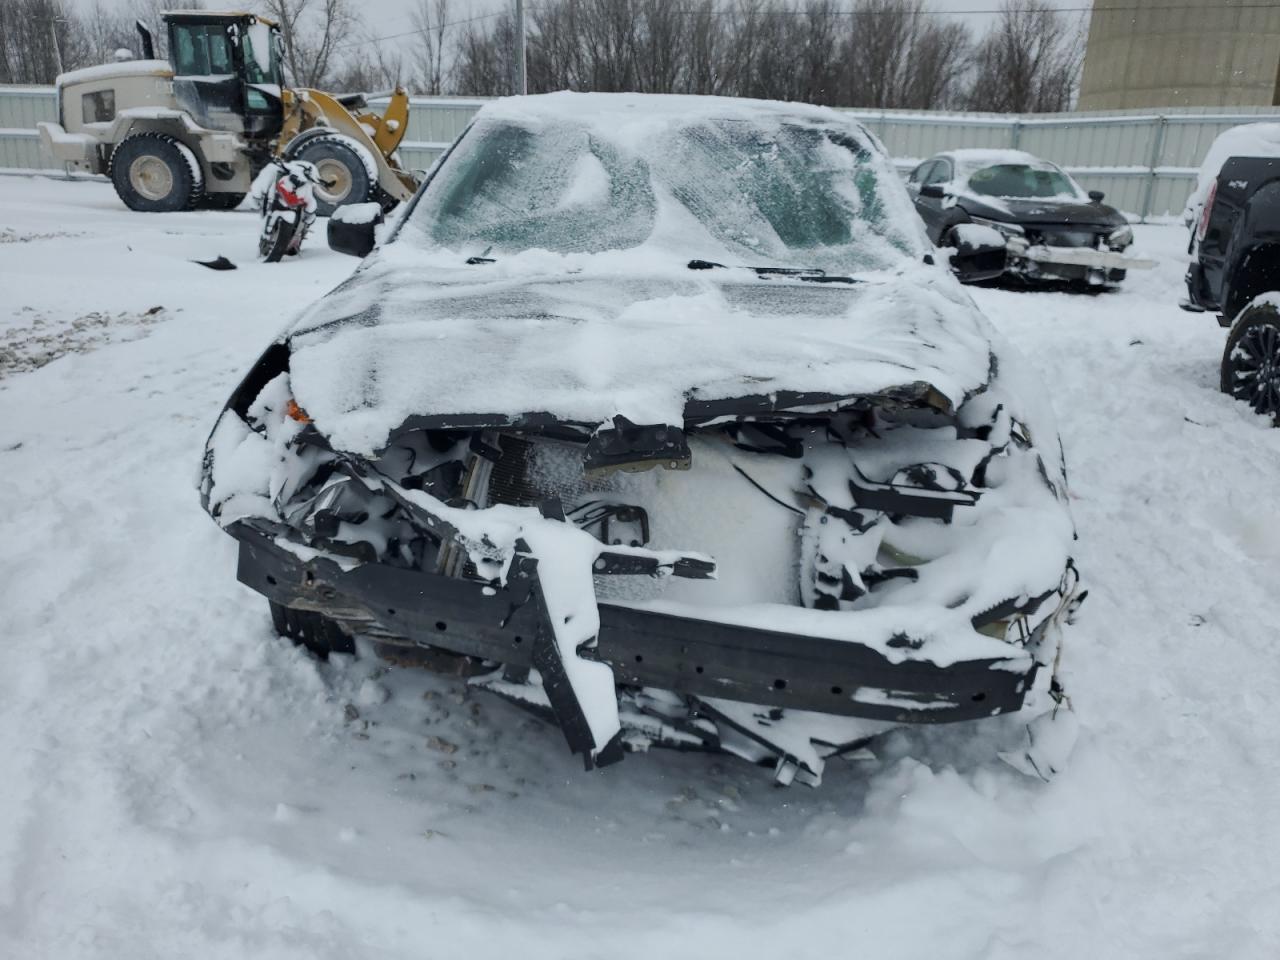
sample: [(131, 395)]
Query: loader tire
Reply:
[(153, 173), (312, 630), (340, 164)]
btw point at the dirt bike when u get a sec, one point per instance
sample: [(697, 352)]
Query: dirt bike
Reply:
[(288, 204)]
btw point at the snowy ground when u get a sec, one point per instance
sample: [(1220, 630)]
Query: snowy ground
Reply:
[(177, 782)]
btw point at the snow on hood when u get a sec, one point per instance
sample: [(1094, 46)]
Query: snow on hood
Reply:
[(1246, 140), (535, 334), (587, 209), (1040, 210)]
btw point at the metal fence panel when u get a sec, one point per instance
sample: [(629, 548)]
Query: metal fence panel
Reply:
[(437, 121), (21, 108), (917, 136), (20, 150), (1145, 163)]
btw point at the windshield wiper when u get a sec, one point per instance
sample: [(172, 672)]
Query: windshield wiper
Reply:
[(809, 274)]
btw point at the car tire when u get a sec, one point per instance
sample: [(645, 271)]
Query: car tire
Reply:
[(155, 173), (312, 630), (222, 201), (1251, 360), (340, 163)]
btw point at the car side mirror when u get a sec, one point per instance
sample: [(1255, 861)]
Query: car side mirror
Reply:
[(933, 190), (353, 228), (1096, 196), (981, 253)]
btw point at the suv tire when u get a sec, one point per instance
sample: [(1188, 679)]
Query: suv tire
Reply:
[(1251, 360)]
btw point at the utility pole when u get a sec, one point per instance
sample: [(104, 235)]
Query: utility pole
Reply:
[(53, 39), (522, 77)]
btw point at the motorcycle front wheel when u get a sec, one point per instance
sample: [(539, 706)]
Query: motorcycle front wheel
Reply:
[(275, 240)]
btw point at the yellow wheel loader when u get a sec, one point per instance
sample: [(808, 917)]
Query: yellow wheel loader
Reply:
[(193, 131)]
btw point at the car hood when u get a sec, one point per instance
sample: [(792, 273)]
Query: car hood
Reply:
[(498, 342), (1043, 211)]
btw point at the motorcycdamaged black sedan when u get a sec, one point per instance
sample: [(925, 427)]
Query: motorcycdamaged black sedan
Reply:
[(658, 414), (1052, 229)]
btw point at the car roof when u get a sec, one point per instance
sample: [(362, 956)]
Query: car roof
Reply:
[(614, 109), (974, 157)]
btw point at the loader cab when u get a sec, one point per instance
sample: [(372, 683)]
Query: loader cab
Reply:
[(226, 71)]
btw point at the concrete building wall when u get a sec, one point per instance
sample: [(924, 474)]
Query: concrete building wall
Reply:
[(1175, 53)]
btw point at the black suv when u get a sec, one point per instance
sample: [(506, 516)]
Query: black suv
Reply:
[(1236, 273)]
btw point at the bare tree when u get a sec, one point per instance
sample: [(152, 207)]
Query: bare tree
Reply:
[(868, 53), (899, 53), (34, 35), (1029, 62), (431, 54), (703, 49), (942, 56), (367, 66), (312, 32), (486, 57)]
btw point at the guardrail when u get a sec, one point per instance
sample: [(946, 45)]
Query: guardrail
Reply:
[(1145, 163)]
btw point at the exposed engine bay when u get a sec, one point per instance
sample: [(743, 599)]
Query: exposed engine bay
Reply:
[(890, 525)]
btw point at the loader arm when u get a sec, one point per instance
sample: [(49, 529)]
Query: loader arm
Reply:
[(390, 126)]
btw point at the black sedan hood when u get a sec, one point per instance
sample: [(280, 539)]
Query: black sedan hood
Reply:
[(1042, 211)]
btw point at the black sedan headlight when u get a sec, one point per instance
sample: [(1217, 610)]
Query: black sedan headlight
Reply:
[(1010, 231), (1120, 238)]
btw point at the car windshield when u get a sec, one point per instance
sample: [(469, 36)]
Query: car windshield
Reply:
[(1022, 180), (768, 193)]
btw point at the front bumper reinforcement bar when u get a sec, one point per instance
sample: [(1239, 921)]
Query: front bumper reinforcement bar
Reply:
[(644, 648)]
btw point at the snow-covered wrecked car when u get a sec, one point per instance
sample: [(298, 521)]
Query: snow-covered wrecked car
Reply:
[(1051, 228), (659, 415)]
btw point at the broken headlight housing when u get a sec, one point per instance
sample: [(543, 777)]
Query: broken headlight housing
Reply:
[(1120, 238)]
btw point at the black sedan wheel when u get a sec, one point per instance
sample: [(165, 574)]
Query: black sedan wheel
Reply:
[(1251, 362)]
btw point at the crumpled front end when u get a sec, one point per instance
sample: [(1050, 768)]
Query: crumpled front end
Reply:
[(1073, 254), (781, 577)]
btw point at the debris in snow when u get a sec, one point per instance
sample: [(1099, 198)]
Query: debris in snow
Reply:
[(221, 263), (1050, 739), (440, 745)]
